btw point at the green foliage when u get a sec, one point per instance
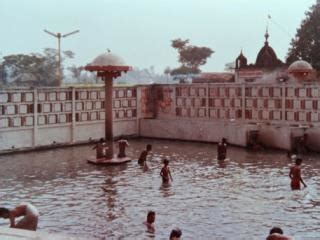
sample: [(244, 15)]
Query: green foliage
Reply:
[(42, 67), (76, 71), (306, 44), (183, 70), (3, 75), (191, 57)]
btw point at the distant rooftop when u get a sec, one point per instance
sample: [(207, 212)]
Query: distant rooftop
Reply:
[(214, 77)]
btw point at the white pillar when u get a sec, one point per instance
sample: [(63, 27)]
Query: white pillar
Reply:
[(35, 117), (243, 101), (73, 123), (283, 103)]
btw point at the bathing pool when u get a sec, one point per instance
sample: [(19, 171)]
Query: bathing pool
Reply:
[(241, 198)]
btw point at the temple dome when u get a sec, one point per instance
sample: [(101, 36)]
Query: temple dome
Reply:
[(301, 70), (241, 61), (300, 66), (107, 59), (267, 57)]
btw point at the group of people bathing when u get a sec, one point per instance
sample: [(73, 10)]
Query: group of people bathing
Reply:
[(30, 214), (175, 234), (101, 148), (30, 221), (295, 170)]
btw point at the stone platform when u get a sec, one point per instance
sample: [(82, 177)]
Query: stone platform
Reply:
[(104, 161), (7, 233)]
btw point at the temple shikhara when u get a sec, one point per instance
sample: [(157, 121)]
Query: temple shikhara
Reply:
[(266, 69)]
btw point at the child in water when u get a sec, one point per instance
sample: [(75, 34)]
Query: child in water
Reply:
[(122, 144), (26, 210), (151, 217), (143, 156), (222, 149), (276, 233), (100, 146), (165, 172), (175, 234), (295, 175)]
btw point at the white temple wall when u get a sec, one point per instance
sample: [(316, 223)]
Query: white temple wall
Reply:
[(313, 139), (201, 112), (31, 118), (21, 138), (206, 131), (53, 135), (275, 136)]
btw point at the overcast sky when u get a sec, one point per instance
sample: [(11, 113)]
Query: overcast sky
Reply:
[(140, 31)]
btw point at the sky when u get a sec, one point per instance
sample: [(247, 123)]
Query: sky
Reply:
[(140, 31)]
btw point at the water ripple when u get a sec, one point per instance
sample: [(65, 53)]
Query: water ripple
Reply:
[(207, 199)]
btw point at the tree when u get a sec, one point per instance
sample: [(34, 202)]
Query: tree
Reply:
[(76, 71), (42, 66), (229, 67), (17, 64), (306, 44), (191, 57), (167, 71), (3, 75)]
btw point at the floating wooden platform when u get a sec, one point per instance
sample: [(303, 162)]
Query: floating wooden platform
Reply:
[(103, 161)]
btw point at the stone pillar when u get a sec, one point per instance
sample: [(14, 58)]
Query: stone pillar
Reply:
[(243, 102), (73, 115), (108, 115), (283, 103), (138, 107), (207, 101), (35, 117)]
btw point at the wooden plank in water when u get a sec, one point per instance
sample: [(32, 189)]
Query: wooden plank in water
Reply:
[(105, 162)]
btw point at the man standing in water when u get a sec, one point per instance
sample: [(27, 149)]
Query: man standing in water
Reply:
[(165, 172), (295, 175), (222, 149), (122, 143), (100, 146), (143, 156), (28, 211)]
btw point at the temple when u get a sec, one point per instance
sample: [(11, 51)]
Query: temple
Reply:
[(267, 68)]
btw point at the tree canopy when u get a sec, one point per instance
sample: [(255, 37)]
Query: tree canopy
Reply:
[(191, 57), (42, 67), (306, 44)]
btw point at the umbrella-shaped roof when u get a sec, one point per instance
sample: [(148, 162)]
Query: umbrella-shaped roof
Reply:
[(107, 62)]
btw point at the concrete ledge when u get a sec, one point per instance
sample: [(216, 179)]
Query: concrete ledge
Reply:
[(270, 136), (56, 145), (18, 234)]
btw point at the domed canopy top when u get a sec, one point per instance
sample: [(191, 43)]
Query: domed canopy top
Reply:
[(300, 66), (107, 59), (107, 62)]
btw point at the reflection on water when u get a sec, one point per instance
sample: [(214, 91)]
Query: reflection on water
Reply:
[(233, 199), (166, 190)]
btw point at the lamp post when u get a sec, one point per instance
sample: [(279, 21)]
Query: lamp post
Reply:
[(59, 36)]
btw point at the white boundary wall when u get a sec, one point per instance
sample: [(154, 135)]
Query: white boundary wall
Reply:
[(201, 112)]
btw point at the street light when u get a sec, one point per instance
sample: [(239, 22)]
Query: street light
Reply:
[(59, 36)]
